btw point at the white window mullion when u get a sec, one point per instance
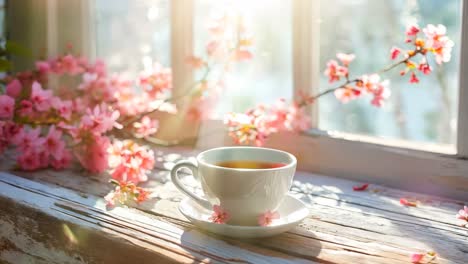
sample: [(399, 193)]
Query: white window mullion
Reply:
[(182, 21), (306, 44), (462, 133)]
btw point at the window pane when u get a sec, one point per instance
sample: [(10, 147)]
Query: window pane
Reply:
[(268, 75), (424, 112), (132, 34)]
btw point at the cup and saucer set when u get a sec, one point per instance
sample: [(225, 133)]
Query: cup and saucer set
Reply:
[(245, 192)]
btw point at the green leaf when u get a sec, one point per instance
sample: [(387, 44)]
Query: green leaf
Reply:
[(4, 65), (17, 49)]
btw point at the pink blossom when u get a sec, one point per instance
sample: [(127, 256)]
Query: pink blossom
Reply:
[(88, 81), (425, 68), (92, 154), (130, 162), (278, 115), (285, 116), (43, 66), (146, 127), (125, 193), (54, 144), (100, 88), (63, 162), (334, 71), (7, 106), (158, 81), (298, 120), (70, 65), (369, 82), (416, 257), (29, 160), (27, 140), (26, 108), (43, 159), (142, 195), (381, 93), (219, 216), (200, 108), (40, 98), (13, 88), (413, 78), (267, 218), (79, 105), (64, 108), (346, 59), (249, 127), (438, 43), (412, 30), (8, 130), (394, 52), (347, 94), (99, 68), (111, 197), (463, 213), (101, 119)]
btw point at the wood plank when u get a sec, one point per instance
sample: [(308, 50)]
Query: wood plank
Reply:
[(158, 233), (88, 218), (344, 226)]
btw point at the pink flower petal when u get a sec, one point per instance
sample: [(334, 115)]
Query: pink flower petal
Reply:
[(406, 202), (360, 188), (219, 216), (267, 218), (416, 257)]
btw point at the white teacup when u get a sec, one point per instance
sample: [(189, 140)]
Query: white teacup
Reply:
[(242, 192)]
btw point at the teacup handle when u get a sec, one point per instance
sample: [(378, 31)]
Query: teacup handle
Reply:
[(175, 179)]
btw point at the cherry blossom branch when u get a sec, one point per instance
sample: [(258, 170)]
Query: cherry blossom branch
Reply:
[(258, 123), (311, 99)]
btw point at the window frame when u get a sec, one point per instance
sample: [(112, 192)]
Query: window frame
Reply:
[(318, 151)]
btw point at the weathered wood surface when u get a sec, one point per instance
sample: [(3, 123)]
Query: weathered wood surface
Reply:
[(60, 217)]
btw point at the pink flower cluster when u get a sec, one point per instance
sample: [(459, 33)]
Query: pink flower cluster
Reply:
[(50, 127), (366, 84), (126, 193), (435, 41), (130, 162), (335, 71), (257, 124), (146, 127)]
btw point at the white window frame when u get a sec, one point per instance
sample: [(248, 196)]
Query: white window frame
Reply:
[(361, 158)]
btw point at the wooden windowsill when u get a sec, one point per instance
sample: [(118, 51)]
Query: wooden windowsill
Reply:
[(60, 217)]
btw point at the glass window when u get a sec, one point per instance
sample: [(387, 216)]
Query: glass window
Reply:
[(133, 34), (268, 75), (425, 112)]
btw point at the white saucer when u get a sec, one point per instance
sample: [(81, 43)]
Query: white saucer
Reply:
[(292, 211)]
